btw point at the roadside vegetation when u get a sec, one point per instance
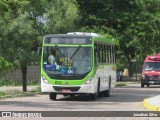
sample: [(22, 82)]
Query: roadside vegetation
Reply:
[(132, 24), (18, 93), (123, 83), (120, 84)]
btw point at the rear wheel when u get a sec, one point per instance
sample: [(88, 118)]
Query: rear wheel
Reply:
[(148, 85), (100, 94), (52, 96), (107, 92)]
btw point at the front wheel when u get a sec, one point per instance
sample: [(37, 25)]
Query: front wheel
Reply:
[(52, 96)]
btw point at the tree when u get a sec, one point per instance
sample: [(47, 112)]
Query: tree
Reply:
[(60, 16), (134, 22), (18, 36), (23, 22)]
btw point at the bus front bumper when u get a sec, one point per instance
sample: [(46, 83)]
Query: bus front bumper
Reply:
[(85, 88)]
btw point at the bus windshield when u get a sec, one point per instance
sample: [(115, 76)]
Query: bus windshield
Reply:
[(151, 66), (67, 60)]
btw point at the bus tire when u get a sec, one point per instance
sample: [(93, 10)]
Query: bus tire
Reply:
[(148, 85), (52, 96), (142, 85), (100, 94), (93, 96), (107, 92)]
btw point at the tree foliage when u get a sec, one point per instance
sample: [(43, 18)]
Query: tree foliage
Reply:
[(132, 24), (23, 22), (60, 16), (4, 65)]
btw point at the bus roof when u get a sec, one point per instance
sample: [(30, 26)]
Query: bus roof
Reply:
[(96, 37)]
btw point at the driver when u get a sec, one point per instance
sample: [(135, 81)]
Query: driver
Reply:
[(52, 57)]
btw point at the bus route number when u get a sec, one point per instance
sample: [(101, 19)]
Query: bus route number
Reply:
[(58, 82)]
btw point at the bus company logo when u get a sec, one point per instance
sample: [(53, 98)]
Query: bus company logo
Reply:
[(6, 114)]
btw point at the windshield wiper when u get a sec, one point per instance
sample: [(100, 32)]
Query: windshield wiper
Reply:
[(75, 52), (59, 50)]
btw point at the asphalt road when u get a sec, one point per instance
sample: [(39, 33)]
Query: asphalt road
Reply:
[(128, 98)]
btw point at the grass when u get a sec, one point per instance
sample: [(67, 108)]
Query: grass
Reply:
[(38, 89), (120, 84), (2, 93), (10, 93), (15, 93)]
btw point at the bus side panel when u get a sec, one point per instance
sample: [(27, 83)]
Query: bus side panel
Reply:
[(104, 74)]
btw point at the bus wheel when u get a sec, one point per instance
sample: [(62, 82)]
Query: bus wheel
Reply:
[(147, 85), (100, 94), (142, 85), (107, 92), (92, 96), (52, 96)]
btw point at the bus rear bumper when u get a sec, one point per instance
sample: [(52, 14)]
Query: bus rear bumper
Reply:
[(85, 88)]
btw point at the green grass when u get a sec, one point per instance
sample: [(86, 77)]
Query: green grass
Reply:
[(15, 93), (2, 93), (38, 89), (120, 84), (10, 93)]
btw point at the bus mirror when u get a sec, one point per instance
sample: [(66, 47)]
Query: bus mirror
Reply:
[(39, 50)]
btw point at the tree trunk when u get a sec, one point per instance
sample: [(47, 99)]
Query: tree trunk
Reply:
[(24, 77)]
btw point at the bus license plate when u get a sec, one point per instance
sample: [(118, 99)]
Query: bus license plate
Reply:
[(66, 90), (151, 82)]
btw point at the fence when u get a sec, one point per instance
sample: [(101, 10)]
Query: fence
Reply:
[(33, 73)]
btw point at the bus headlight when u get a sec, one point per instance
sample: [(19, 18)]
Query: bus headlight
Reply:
[(89, 80), (44, 80)]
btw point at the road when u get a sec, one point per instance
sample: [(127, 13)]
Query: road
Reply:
[(128, 98)]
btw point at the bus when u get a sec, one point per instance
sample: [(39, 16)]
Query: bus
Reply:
[(77, 64), (151, 71)]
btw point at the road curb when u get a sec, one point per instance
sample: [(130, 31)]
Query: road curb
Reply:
[(149, 106)]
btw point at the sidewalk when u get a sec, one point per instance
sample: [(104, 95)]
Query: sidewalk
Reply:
[(152, 103)]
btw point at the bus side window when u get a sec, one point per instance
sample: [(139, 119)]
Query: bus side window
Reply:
[(104, 50), (98, 53), (95, 54)]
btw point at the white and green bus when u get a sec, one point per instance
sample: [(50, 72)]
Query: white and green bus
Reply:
[(77, 63)]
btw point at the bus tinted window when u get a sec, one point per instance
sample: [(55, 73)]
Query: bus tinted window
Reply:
[(67, 40)]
